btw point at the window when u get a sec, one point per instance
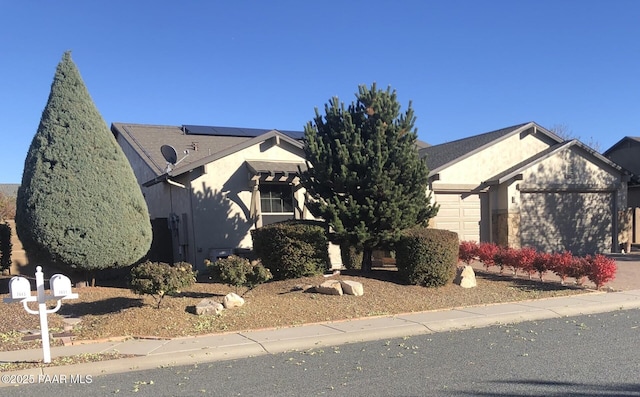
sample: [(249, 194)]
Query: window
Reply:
[(276, 199)]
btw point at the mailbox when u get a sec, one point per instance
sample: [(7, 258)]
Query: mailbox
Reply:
[(19, 288), (60, 286)]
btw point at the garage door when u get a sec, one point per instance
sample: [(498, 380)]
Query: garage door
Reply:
[(578, 222), (459, 213)]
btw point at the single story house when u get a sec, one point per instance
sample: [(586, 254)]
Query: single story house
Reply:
[(525, 186), (208, 187), (217, 184)]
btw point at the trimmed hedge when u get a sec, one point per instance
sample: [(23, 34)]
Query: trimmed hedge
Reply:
[(427, 257), (598, 268), (292, 249)]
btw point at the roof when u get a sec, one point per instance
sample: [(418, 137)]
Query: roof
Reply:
[(194, 147), (275, 167), (439, 156), (9, 189), (621, 142), (550, 151)]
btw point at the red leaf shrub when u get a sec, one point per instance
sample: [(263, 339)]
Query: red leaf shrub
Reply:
[(541, 264), (508, 257), (487, 253), (526, 256), (561, 264), (601, 270), (579, 268), (468, 251)]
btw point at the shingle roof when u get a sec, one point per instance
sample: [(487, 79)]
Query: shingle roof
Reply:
[(146, 140), (9, 189), (621, 142), (442, 154)]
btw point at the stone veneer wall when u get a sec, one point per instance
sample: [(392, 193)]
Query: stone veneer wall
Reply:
[(506, 228)]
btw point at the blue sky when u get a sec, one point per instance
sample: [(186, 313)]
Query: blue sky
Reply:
[(467, 66)]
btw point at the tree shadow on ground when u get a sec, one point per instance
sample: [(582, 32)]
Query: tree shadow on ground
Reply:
[(564, 389), (105, 306), (199, 295), (388, 274), (525, 284)]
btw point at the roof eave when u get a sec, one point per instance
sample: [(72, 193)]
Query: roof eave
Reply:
[(280, 137)]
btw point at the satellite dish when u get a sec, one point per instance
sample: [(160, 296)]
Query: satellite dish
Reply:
[(169, 154)]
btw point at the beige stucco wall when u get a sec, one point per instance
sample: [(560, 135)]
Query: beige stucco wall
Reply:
[(487, 163), (570, 168), (221, 198), (155, 196)]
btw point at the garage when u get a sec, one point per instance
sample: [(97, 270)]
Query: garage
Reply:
[(460, 213), (580, 222)]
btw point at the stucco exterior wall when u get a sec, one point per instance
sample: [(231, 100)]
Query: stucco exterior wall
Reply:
[(156, 195), (573, 201), (489, 162), (570, 169), (221, 199)]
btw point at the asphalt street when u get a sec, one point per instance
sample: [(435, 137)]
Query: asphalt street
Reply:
[(589, 355)]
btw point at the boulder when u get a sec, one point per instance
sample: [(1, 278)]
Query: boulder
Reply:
[(209, 306), (351, 287), (465, 277), (232, 300), (330, 287)]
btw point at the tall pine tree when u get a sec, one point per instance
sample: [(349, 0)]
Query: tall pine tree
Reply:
[(79, 202), (365, 178)]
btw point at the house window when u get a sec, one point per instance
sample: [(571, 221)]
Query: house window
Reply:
[(276, 199)]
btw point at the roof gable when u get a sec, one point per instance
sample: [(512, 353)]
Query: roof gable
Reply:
[(627, 141), (194, 150), (442, 155), (551, 151)]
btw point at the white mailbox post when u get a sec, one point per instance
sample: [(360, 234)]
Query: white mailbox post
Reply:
[(20, 291)]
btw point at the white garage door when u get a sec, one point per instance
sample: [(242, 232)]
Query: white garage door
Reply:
[(459, 213), (578, 222)]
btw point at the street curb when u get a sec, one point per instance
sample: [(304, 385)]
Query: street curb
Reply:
[(238, 345)]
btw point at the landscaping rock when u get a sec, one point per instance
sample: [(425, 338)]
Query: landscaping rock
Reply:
[(351, 287), (465, 277), (330, 287), (209, 306), (232, 300), (302, 287)]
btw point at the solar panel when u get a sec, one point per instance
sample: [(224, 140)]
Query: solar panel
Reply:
[(234, 131), (293, 134)]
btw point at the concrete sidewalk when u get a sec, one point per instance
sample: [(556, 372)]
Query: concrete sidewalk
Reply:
[(154, 353)]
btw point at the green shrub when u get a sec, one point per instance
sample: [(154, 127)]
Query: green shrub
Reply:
[(351, 256), (79, 202), (5, 246), (238, 272), (292, 249), (160, 279), (426, 256)]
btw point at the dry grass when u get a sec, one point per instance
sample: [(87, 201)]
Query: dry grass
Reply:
[(111, 312)]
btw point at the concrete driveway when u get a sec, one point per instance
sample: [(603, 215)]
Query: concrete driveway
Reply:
[(628, 274)]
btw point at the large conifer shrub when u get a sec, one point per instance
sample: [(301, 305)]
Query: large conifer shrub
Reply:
[(79, 202), (365, 177)]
